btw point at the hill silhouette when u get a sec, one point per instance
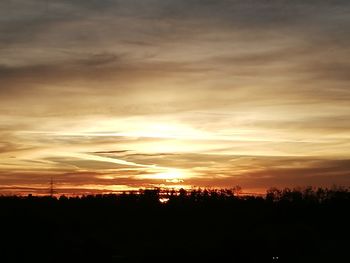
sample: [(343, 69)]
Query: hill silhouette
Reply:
[(285, 225)]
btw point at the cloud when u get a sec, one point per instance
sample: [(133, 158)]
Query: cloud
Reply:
[(283, 172), (253, 173), (229, 91)]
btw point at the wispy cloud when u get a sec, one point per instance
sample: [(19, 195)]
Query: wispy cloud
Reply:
[(115, 92)]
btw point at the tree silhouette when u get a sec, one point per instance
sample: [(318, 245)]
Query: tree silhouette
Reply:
[(297, 225)]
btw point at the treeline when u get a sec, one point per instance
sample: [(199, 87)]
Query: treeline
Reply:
[(220, 225), (157, 195), (309, 194)]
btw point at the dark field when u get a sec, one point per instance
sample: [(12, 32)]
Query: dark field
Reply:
[(216, 226)]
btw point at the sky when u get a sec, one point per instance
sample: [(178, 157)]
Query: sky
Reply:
[(116, 95)]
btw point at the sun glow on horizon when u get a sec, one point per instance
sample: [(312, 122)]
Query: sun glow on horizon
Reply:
[(169, 176)]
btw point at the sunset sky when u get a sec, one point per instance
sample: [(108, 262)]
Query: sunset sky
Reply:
[(112, 95)]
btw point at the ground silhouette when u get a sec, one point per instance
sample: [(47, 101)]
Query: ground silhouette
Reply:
[(288, 225)]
